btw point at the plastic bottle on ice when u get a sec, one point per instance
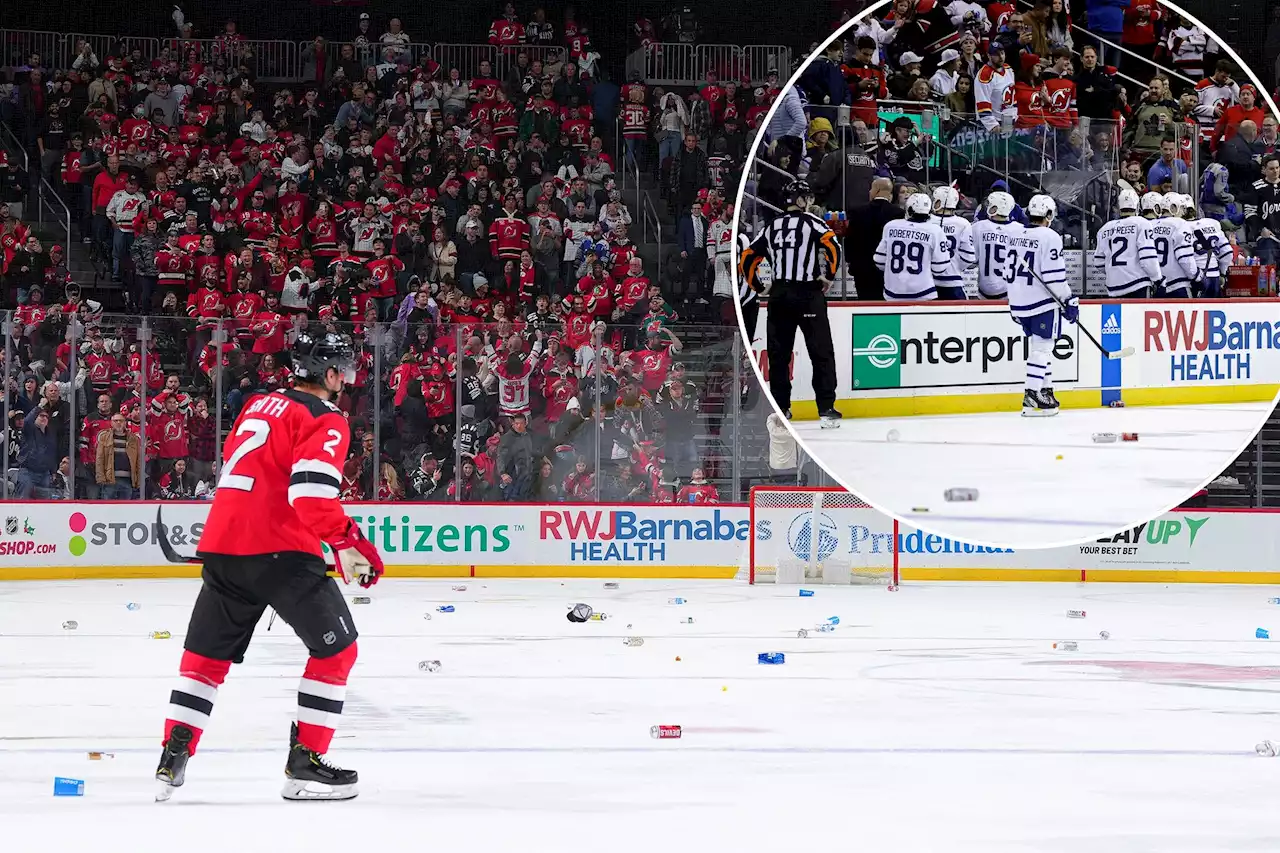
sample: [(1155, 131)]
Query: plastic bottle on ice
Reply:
[(1075, 614), (960, 495), (675, 601), (133, 606)]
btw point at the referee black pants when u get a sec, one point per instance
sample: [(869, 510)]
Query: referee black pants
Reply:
[(804, 307)]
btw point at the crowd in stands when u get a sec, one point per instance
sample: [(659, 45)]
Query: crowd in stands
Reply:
[(464, 227), (1078, 98)]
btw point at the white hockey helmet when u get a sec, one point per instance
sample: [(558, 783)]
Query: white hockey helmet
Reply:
[(1189, 206), (1042, 207), (945, 198), (1000, 205), (1173, 205), (919, 204), (1128, 201), (1152, 203)]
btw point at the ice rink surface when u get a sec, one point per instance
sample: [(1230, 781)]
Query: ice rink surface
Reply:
[(936, 718), (1027, 496)]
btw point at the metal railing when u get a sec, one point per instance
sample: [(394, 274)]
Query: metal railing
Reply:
[(680, 64), (46, 195), (649, 219)]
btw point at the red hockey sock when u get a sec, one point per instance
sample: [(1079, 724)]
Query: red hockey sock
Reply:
[(191, 702), (320, 696)]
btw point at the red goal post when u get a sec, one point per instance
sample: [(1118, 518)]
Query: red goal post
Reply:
[(811, 534)]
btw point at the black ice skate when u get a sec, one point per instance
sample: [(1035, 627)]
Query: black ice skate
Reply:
[(1036, 405), (1053, 401), (829, 419), (172, 771), (310, 777)]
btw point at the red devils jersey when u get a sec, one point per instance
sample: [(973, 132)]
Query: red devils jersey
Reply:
[(278, 491), (698, 493), (508, 237), (1060, 97), (1032, 108)]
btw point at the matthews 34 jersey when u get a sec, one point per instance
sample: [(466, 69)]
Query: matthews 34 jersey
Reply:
[(1127, 254), (1039, 272), (281, 471), (913, 256)]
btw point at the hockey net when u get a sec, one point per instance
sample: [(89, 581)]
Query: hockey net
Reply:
[(803, 534)]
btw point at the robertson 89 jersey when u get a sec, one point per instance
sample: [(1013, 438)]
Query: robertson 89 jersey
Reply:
[(281, 470)]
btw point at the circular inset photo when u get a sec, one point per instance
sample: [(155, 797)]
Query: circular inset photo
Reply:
[(1009, 279)]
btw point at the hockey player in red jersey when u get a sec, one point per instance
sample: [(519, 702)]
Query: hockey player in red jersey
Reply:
[(276, 502)]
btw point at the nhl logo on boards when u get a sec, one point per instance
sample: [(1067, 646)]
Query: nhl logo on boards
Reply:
[(11, 525)]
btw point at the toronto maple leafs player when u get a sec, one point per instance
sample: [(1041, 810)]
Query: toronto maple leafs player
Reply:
[(991, 245), (1118, 249), (912, 253), (1039, 298), (957, 236)]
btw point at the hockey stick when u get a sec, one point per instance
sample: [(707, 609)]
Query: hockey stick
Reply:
[(169, 554), (1124, 352), (174, 557)]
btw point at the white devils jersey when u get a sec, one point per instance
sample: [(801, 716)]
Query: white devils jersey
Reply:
[(991, 248), (1039, 272), (994, 96), (912, 256), (957, 237), (1126, 253)]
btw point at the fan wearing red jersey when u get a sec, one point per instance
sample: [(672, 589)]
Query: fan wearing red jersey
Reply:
[(276, 502)]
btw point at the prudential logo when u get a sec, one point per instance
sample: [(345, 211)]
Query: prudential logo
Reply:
[(877, 350)]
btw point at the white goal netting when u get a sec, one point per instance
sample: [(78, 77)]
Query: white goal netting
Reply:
[(818, 535)]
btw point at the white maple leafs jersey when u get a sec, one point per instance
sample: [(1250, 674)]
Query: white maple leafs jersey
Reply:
[(1039, 272), (913, 256), (1172, 244), (1210, 246), (1127, 255), (957, 235), (993, 254)]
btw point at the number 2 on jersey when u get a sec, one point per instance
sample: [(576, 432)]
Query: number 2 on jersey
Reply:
[(258, 430)]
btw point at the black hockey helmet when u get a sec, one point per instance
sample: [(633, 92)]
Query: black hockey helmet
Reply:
[(313, 355), (797, 189)]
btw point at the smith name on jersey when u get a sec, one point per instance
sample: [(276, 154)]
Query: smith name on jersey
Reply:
[(281, 472)]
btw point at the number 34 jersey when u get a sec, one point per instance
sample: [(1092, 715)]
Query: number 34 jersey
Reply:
[(281, 471)]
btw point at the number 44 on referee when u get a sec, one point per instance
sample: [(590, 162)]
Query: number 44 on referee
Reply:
[(804, 256)]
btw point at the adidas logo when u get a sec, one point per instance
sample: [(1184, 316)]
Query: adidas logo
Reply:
[(1111, 327)]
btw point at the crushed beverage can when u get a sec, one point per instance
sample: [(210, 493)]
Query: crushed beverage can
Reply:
[(675, 601), (1117, 404), (599, 617), (98, 756), (611, 585), (1128, 436), (70, 625), (1104, 635), (1067, 646), (824, 628), (445, 608), (160, 635), (459, 589), (802, 633), (633, 641), (361, 599), (960, 495), (1075, 614), (429, 665), (63, 787), (1105, 437), (772, 658), (662, 732), (688, 620), (133, 606), (806, 593)]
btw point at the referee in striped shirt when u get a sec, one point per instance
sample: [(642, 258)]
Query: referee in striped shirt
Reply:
[(805, 257)]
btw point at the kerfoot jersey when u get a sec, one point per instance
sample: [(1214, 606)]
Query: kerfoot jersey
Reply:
[(1039, 272), (991, 246), (281, 470), (1121, 245), (912, 255)]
